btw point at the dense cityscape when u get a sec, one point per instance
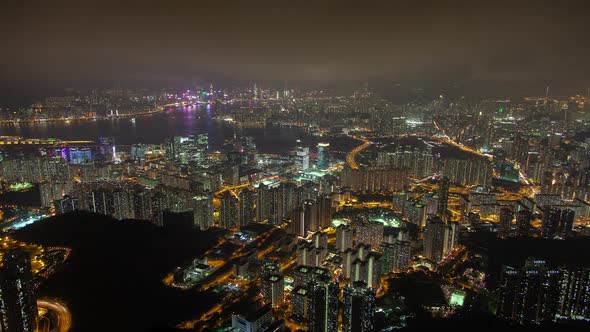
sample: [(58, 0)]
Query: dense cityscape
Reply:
[(270, 166), (320, 237)]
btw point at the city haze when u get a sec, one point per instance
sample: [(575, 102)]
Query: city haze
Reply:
[(524, 44)]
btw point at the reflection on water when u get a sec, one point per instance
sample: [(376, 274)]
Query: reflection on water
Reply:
[(154, 128)]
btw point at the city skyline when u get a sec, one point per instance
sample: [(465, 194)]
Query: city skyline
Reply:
[(274, 166), (477, 47)]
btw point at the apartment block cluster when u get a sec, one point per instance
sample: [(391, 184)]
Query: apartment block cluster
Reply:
[(179, 177), (541, 292)]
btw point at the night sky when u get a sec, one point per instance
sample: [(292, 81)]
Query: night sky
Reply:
[(56, 44)]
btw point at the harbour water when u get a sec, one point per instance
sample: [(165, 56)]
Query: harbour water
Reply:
[(154, 128)]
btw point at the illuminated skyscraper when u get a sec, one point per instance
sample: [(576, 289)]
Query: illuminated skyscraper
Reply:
[(18, 306), (401, 256), (375, 178), (507, 291), (106, 146), (203, 210), (434, 239), (574, 297), (248, 150), (252, 320), (309, 254), (343, 237), (202, 147), (319, 239), (451, 237), (191, 150), (255, 91), (557, 222), (322, 306), (263, 201), (284, 200), (387, 259), (298, 227), (369, 270), (302, 275), (302, 158), (532, 294), (246, 207), (359, 308), (523, 222), (270, 267), (505, 228), (443, 197), (472, 171), (273, 289), (170, 147), (275, 205), (370, 233), (350, 256), (228, 213), (138, 152), (323, 156), (311, 215), (66, 204), (399, 201), (324, 211), (299, 297)]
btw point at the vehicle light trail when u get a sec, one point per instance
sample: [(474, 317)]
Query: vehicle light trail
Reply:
[(351, 157), (64, 317)]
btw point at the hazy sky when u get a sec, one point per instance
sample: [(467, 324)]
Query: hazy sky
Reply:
[(64, 43)]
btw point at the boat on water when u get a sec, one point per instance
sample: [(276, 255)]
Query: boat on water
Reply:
[(132, 120)]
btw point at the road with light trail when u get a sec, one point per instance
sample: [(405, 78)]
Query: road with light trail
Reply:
[(64, 317)]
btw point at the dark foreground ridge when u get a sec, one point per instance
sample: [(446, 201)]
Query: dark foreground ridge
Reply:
[(113, 279)]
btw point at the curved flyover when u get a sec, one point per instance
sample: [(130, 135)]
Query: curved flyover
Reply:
[(351, 156), (63, 322)]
